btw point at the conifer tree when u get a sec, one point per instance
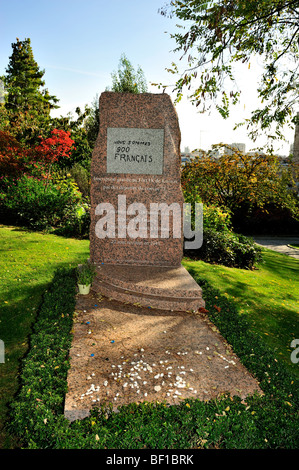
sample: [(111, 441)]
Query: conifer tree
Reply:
[(27, 102)]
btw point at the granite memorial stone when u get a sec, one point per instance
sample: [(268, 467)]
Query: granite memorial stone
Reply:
[(136, 231)]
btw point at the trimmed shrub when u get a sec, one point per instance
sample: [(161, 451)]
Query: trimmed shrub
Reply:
[(226, 248), (43, 205)]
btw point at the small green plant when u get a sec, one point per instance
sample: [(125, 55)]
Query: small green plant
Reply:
[(85, 273)]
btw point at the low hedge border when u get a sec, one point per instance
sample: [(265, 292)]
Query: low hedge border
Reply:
[(226, 248), (37, 416)]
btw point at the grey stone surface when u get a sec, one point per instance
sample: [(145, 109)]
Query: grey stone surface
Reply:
[(281, 245)]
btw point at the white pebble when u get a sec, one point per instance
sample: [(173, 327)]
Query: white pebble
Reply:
[(157, 388)]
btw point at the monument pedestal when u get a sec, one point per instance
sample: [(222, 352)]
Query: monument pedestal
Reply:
[(165, 288)]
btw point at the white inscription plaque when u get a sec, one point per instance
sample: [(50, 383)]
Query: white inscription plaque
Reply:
[(135, 151)]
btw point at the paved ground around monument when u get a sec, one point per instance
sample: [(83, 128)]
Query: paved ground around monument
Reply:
[(281, 245), (124, 353)]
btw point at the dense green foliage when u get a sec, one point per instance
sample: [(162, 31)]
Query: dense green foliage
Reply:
[(220, 243), (126, 79), (268, 421), (256, 190), (226, 248), (27, 103), (43, 205)]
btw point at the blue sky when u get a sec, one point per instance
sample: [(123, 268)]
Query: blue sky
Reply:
[(79, 44)]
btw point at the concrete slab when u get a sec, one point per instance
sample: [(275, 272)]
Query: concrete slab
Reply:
[(122, 353), (281, 245)]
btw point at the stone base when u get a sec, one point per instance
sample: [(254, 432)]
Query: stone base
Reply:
[(166, 288)]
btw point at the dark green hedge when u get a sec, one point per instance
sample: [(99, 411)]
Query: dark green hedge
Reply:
[(226, 248), (29, 202), (37, 412)]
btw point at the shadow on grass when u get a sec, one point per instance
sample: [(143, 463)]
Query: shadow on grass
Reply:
[(59, 232), (276, 324), (17, 324), (281, 265)]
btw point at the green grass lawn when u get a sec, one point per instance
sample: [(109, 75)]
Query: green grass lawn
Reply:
[(27, 264), (267, 296)]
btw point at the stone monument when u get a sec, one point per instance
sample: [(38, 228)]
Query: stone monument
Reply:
[(136, 231)]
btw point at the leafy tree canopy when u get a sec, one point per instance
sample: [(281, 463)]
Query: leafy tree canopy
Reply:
[(126, 79), (219, 33), (92, 122), (238, 180)]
